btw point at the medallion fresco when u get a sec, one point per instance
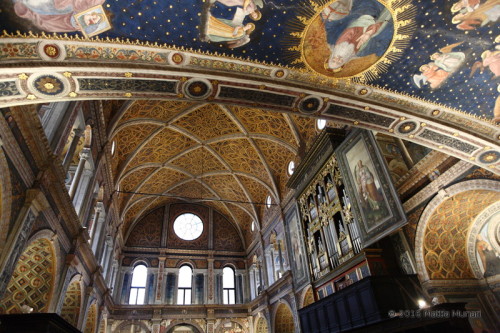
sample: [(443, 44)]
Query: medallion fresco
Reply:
[(446, 52), (347, 37)]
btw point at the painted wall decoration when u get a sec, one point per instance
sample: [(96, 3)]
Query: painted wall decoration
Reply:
[(373, 198), (445, 52), (442, 65), (488, 246), (393, 156), (147, 232), (86, 16), (92, 21), (228, 22), (470, 15), (296, 248), (230, 327)]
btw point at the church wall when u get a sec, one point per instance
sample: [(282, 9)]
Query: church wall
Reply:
[(45, 208), (153, 242)]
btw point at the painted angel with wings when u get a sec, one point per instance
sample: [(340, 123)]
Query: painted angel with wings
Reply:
[(444, 63)]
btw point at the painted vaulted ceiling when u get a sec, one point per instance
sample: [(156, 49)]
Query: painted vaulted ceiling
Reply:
[(228, 157), (461, 38), (203, 75)]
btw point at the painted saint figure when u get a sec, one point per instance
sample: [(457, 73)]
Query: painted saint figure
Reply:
[(54, 15), (225, 21), (473, 14), (355, 29), (443, 65), (449, 62), (489, 258), (489, 59), (370, 196)]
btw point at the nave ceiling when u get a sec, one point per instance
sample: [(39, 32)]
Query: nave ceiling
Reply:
[(228, 157)]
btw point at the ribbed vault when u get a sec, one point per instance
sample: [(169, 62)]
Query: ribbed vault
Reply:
[(229, 157)]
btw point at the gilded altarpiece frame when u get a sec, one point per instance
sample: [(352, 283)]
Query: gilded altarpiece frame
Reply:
[(375, 202)]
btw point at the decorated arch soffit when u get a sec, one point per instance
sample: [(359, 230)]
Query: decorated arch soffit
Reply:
[(443, 240), (424, 71)]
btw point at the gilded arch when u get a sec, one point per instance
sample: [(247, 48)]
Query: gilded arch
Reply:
[(92, 318), (436, 126), (261, 325), (428, 247), (220, 327), (72, 305), (307, 296), (140, 261), (180, 322), (124, 324), (32, 283), (283, 318)]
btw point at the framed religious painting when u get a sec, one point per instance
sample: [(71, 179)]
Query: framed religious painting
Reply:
[(373, 197), (296, 247), (93, 21)]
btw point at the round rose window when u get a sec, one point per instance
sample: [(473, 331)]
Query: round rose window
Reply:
[(188, 226)]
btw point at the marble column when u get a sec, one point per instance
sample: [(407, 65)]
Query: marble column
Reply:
[(98, 210), (84, 156), (98, 229)]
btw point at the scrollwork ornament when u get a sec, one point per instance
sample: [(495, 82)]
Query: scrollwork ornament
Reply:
[(348, 214), (323, 209), (337, 177)]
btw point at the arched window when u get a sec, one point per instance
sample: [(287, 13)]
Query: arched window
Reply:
[(184, 286), (228, 289), (138, 287)]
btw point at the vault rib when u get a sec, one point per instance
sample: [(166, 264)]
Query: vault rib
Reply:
[(254, 145)]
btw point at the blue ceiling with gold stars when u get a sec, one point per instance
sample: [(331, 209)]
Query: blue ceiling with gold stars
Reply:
[(448, 51)]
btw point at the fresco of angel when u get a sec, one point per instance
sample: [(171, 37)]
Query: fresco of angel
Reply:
[(471, 14), (226, 21), (444, 63), (489, 60)]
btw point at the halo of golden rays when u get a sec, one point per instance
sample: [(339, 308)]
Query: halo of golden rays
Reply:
[(403, 14)]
